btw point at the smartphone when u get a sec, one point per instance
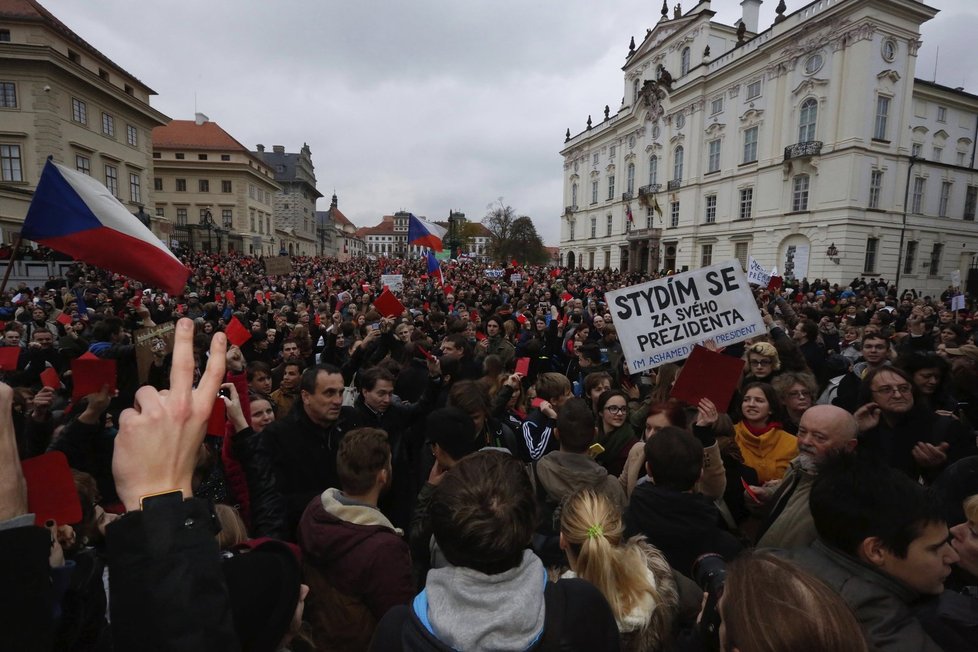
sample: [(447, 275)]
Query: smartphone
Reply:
[(225, 392), (595, 449), (374, 327)]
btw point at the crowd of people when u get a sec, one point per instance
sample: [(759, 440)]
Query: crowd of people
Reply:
[(285, 463)]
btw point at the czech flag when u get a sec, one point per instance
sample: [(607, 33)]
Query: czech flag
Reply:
[(424, 233), (73, 213), (434, 268)]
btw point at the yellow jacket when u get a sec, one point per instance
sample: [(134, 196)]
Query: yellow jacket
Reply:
[(769, 454)]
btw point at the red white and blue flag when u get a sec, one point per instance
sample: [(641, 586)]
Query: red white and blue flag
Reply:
[(628, 213), (434, 268), (424, 233), (73, 213)]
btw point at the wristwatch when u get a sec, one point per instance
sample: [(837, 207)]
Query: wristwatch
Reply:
[(161, 499)]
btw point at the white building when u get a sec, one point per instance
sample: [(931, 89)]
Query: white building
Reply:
[(792, 145)]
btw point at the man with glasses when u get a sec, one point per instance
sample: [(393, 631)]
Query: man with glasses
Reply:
[(904, 434)]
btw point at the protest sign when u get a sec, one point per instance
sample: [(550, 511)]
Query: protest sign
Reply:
[(388, 305), (957, 302), (515, 278), (394, 282), (51, 493), (278, 265), (661, 321), (757, 275), (494, 273), (158, 338), (90, 373), (956, 278)]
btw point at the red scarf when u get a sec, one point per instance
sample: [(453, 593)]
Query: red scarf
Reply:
[(757, 432)]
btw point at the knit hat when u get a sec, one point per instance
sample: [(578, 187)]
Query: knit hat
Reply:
[(453, 430)]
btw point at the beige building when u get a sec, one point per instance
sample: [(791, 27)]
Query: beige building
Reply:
[(216, 194), (61, 97)]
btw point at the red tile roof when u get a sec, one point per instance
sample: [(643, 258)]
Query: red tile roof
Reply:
[(187, 134), (339, 217), (386, 227)]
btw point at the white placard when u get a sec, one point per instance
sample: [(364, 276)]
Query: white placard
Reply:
[(661, 321), (957, 302), (394, 282), (756, 274), (515, 278), (495, 273), (956, 278)]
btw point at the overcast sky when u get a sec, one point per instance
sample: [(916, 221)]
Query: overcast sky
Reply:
[(427, 105)]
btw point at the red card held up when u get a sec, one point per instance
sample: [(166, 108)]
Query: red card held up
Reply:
[(479, 335), (388, 305), (216, 423), (708, 374), (89, 374), (63, 318), (8, 357), (49, 377), (523, 366), (51, 493), (236, 332)]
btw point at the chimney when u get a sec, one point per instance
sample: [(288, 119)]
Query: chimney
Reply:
[(200, 118), (260, 147), (752, 10), (278, 149)]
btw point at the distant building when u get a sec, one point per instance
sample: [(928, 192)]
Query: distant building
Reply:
[(389, 237), (201, 173), (295, 204), (61, 97), (348, 243), (795, 145)]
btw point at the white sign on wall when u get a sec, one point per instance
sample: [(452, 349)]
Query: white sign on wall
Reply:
[(661, 321)]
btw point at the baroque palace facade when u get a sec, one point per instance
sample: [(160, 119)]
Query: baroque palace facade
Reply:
[(810, 146)]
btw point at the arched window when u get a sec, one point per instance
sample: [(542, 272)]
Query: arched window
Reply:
[(653, 169), (684, 62), (631, 178), (807, 119), (677, 164)]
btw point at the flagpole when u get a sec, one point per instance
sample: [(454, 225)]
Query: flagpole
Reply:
[(10, 263)]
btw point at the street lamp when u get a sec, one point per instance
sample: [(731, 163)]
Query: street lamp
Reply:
[(453, 236), (208, 221), (903, 228)]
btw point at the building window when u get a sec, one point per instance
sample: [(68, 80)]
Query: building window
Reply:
[(799, 194), (571, 224), (157, 184), (684, 62), (910, 257), (181, 185), (609, 226), (746, 203), (160, 211), (740, 253), (942, 114), (711, 209), (594, 192), (611, 186), (630, 179), (612, 151), (713, 160), (135, 195), (79, 111), (674, 214), (938, 153), (225, 186), (8, 95), (203, 212), (227, 218), (813, 64), (594, 227), (935, 259), (706, 255), (5, 35), (203, 185), (179, 156), (595, 158), (131, 135), (112, 179), (677, 164), (202, 157), (181, 217), (10, 165), (653, 169), (916, 149), (716, 106), (83, 164), (875, 186), (918, 195), (807, 119), (970, 200), (635, 91), (945, 196), (882, 114), (157, 154), (869, 263), (108, 125), (961, 156), (750, 145), (225, 157), (754, 90)]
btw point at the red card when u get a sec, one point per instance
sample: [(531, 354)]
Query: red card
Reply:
[(229, 296), (566, 296), (479, 335), (448, 289), (775, 283), (523, 366), (63, 318), (388, 305), (708, 374), (49, 377), (236, 332), (90, 373), (8, 357), (51, 493), (218, 418), (425, 353)]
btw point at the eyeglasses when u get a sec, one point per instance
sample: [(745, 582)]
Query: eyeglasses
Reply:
[(616, 409), (889, 390), (765, 362), (800, 393)]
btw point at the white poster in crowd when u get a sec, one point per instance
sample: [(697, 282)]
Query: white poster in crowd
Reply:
[(495, 273), (756, 274), (956, 278), (515, 278), (957, 303), (661, 321), (394, 282), (795, 262)]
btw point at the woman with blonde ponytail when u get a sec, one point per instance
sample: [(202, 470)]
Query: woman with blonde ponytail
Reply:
[(632, 575)]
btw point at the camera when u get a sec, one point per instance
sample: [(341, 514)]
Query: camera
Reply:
[(710, 573)]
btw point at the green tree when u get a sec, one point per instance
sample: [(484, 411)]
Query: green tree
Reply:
[(512, 236)]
